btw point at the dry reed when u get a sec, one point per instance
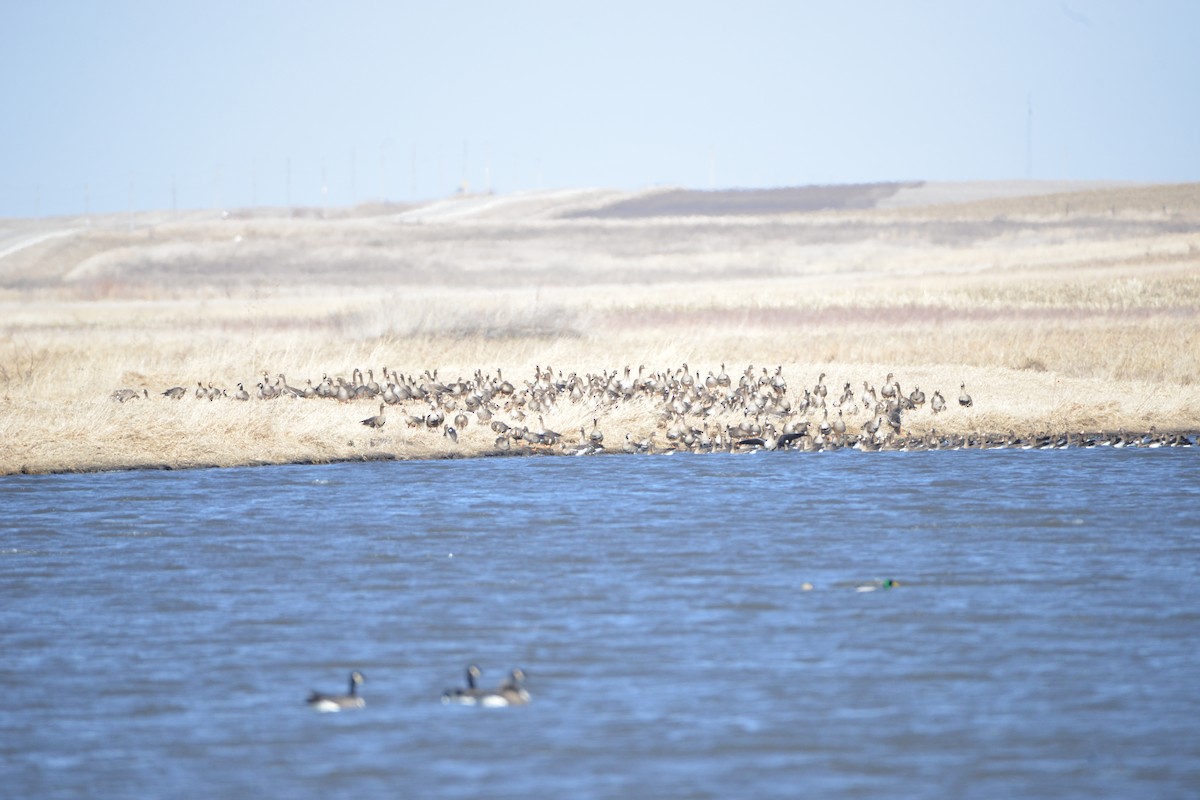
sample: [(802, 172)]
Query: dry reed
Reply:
[(1057, 321)]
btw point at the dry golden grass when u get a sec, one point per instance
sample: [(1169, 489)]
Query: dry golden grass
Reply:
[(1061, 313)]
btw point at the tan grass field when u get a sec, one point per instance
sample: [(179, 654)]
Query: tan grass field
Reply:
[(1060, 310)]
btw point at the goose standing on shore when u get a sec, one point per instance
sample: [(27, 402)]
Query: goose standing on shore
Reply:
[(938, 403), (377, 420), (964, 399), (336, 702), (124, 395)]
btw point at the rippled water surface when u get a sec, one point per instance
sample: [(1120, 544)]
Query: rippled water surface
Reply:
[(159, 631)]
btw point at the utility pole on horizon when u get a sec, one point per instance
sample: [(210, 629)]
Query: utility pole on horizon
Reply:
[(130, 220), (383, 170), (324, 192), (1029, 136), (462, 186)]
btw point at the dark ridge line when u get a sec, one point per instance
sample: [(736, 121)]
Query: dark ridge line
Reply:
[(744, 202)]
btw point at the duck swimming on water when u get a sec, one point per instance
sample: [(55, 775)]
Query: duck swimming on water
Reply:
[(883, 584)]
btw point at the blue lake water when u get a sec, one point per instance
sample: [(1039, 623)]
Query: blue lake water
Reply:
[(159, 631)]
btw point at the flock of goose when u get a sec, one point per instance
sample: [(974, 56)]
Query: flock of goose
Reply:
[(756, 410), (510, 693)]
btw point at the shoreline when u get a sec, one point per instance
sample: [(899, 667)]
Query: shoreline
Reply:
[(1082, 441)]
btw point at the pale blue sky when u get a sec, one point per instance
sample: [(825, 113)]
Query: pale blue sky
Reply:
[(217, 103)]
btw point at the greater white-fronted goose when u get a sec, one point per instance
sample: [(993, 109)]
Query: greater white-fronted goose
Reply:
[(123, 395), (287, 390), (839, 424), (378, 420), (869, 398), (548, 436), (938, 403), (964, 399), (596, 436)]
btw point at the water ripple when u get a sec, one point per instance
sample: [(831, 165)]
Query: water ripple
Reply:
[(689, 626)]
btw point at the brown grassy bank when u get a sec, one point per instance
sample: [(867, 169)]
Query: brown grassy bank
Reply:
[(1060, 313)]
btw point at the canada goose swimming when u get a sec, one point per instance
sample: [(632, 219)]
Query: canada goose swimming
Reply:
[(467, 696), (509, 693), (377, 420), (336, 702)]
